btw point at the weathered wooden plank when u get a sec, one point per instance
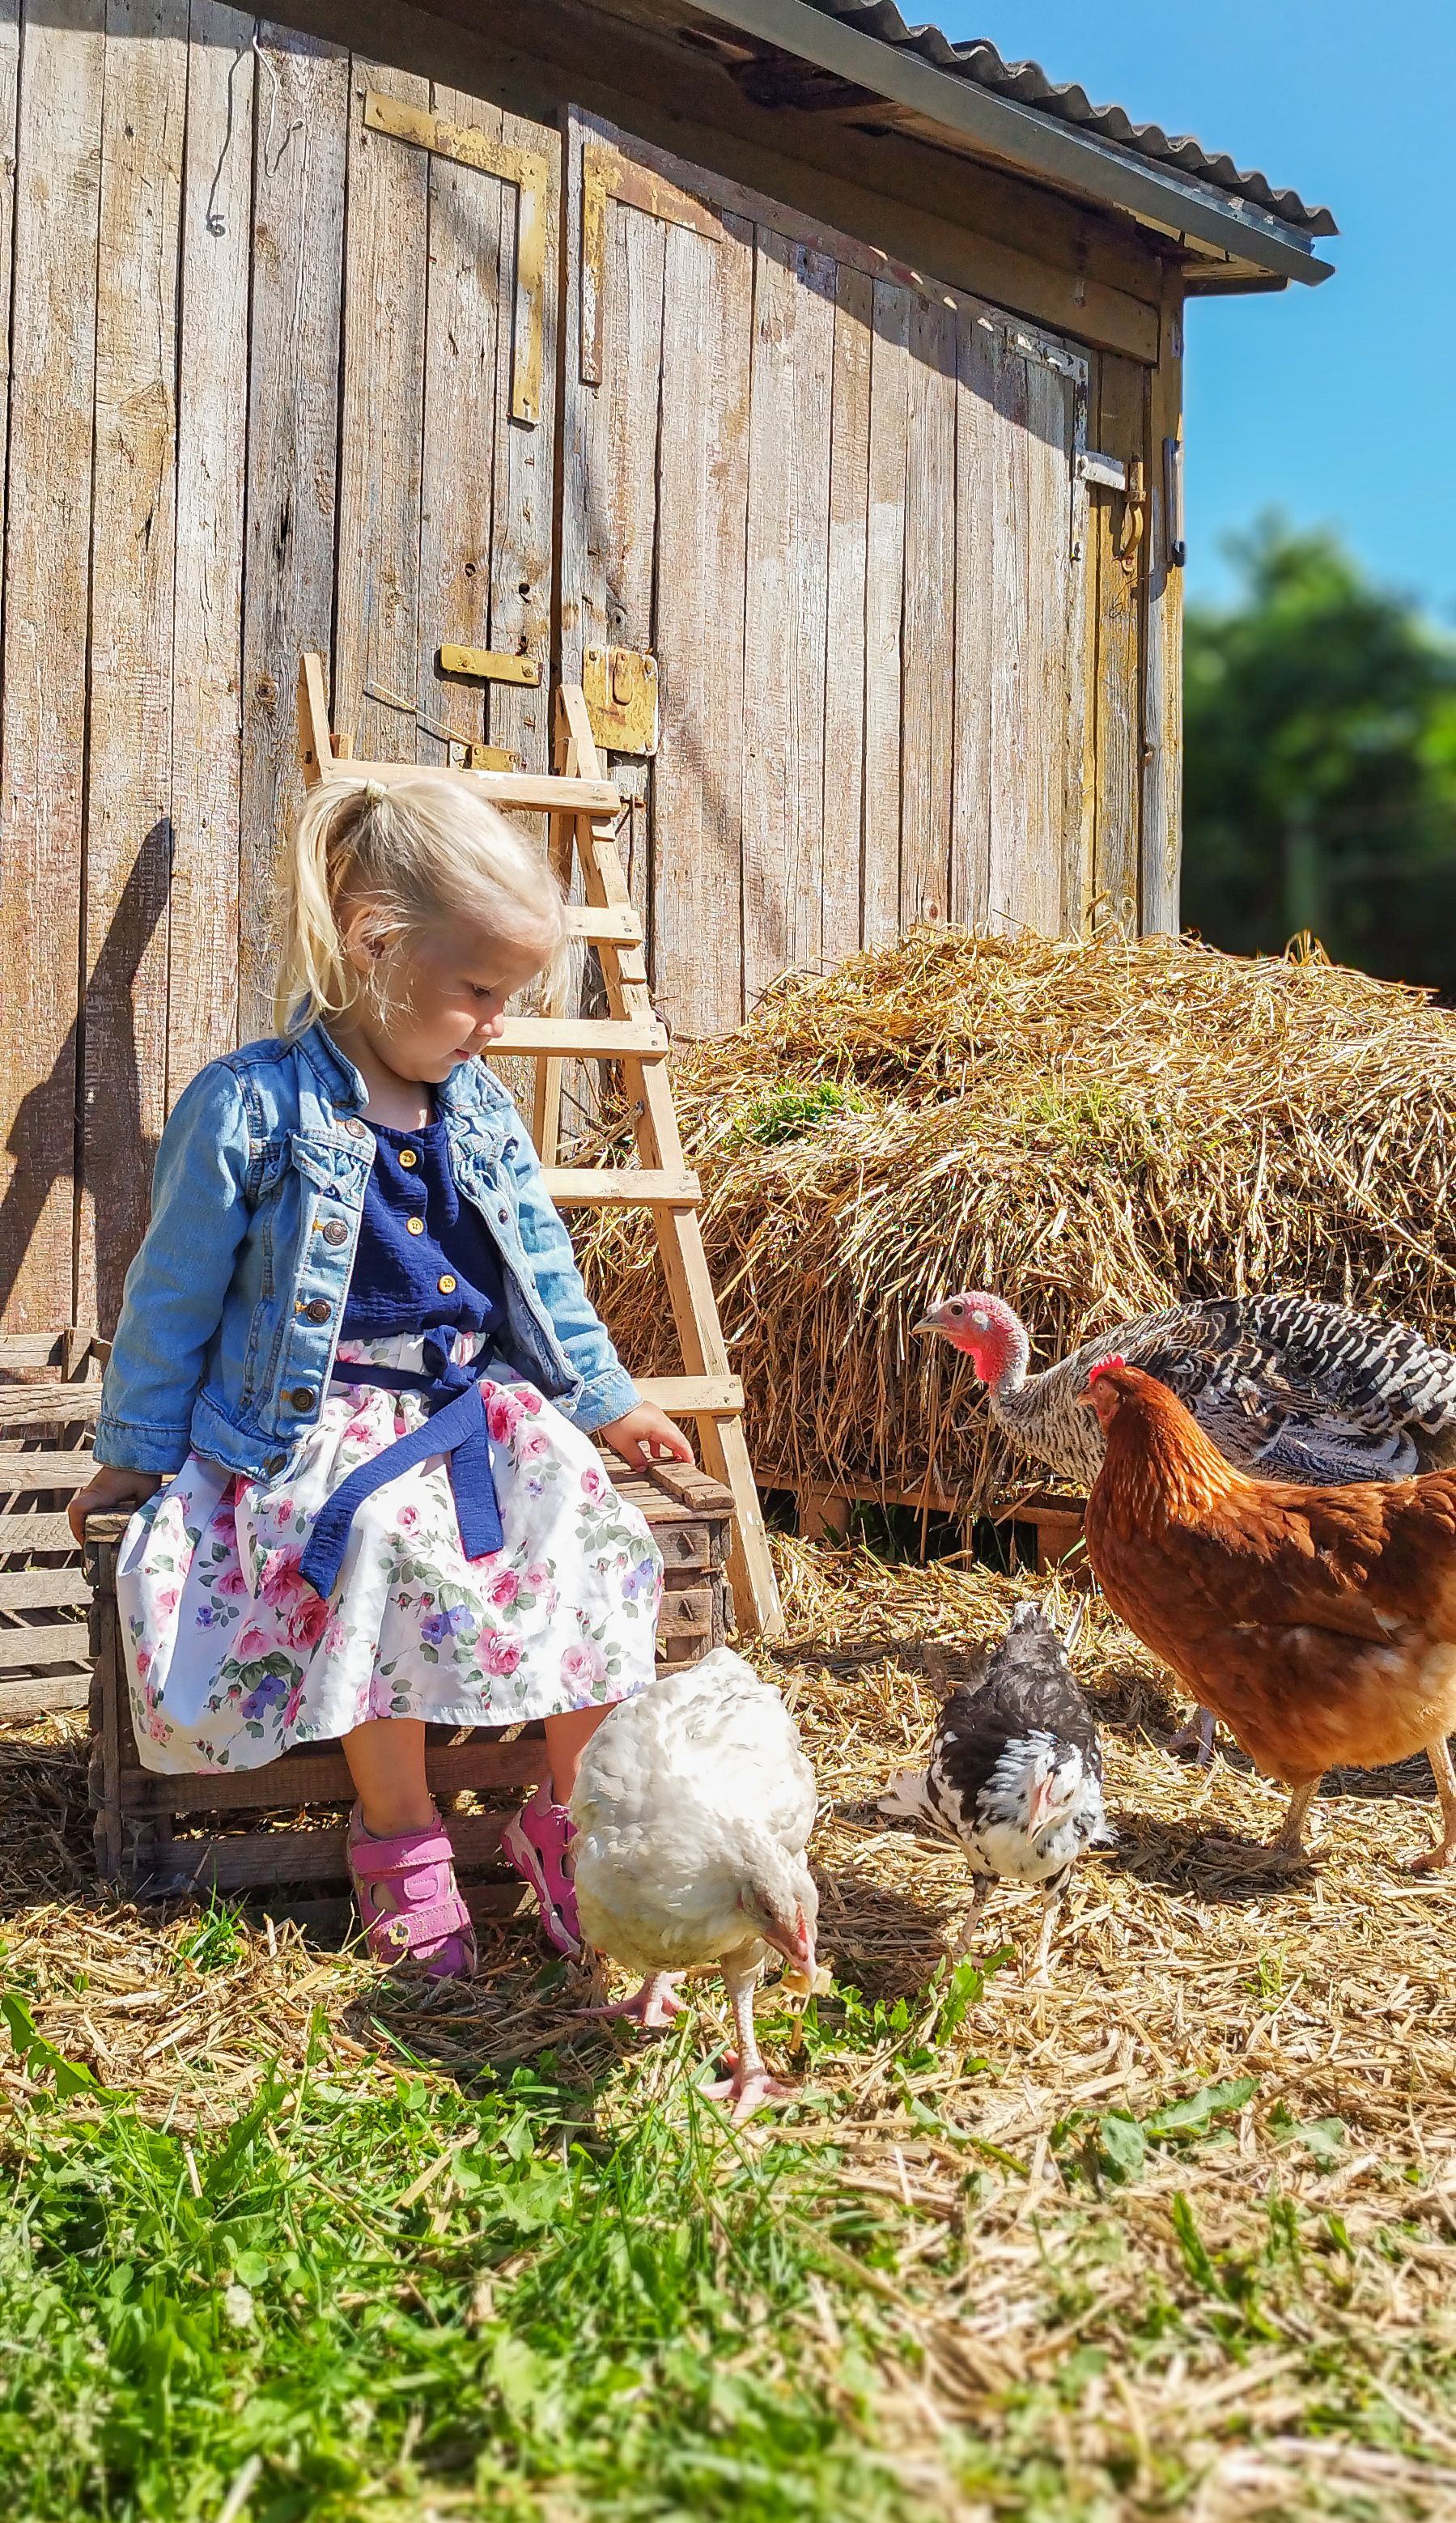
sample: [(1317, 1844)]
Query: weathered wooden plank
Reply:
[(1162, 709), (60, 1643), (1120, 428), (43, 709), (20, 1531), (703, 507), (786, 621), (10, 77), (49, 1405), (1011, 638), (377, 612), (931, 603), (975, 475), (621, 1187), (208, 613), (55, 1697), (461, 416), (517, 793), (307, 1777), (521, 550), (1046, 686), (844, 667), (292, 425), (133, 554), (252, 1859), (29, 1589), (44, 1469), (885, 610)]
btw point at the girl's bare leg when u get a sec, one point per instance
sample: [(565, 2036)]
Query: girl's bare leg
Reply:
[(567, 1738), (386, 1764)]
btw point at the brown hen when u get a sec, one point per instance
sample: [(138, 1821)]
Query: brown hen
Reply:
[(1319, 1625)]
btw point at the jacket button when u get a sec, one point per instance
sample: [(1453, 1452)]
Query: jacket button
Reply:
[(317, 1312), (504, 1215), (447, 1283), (275, 1462), (334, 1231), (355, 1130), (416, 1225), (302, 1397)]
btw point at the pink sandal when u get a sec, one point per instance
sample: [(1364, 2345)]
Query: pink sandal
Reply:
[(410, 1901), (534, 1842)]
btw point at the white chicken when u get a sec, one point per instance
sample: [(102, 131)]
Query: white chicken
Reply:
[(692, 1810)]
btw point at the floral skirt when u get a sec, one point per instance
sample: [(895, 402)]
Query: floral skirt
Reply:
[(232, 1657)]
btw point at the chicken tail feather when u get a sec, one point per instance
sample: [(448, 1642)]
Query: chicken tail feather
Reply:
[(908, 1798)]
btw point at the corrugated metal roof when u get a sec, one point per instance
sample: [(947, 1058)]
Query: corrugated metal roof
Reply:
[(1026, 83)]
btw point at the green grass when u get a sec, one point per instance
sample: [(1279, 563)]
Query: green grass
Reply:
[(402, 2288)]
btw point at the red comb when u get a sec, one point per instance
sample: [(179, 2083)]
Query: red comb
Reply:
[(1104, 1366)]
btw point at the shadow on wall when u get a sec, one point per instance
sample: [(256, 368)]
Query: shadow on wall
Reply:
[(93, 1095)]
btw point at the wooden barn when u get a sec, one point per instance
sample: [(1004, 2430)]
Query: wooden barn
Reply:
[(804, 386)]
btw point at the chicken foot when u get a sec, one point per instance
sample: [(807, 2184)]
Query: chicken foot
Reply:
[(1196, 1736), (1287, 1847), (1444, 1770), (750, 2082), (655, 2005)]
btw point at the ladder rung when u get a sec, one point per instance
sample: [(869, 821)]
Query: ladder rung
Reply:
[(583, 1038), (621, 1187), (609, 927), (703, 1397), (524, 792)]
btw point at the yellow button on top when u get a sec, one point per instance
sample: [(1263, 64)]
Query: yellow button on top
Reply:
[(416, 1225), (446, 1284), (408, 1156)]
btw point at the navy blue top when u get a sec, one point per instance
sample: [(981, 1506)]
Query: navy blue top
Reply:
[(425, 1257)]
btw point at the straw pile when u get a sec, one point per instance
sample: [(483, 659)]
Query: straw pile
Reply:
[(1250, 2323), (1093, 1130)]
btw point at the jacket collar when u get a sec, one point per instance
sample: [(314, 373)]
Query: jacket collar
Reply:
[(340, 1082)]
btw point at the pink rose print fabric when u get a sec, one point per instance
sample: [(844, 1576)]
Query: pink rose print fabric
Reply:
[(232, 1657)]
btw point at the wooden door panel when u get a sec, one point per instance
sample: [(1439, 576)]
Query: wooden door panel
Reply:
[(840, 503)]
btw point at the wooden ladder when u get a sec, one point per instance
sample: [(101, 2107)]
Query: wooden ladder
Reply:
[(585, 809)]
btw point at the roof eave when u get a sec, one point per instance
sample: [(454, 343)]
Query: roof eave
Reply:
[(1033, 144)]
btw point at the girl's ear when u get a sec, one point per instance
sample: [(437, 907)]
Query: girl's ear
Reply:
[(363, 935)]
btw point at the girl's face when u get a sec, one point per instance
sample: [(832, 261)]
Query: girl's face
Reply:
[(441, 999)]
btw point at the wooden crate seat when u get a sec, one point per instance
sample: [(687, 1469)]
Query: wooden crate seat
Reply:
[(50, 1393), (283, 1827)]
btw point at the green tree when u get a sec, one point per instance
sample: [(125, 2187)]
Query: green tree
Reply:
[(1321, 765)]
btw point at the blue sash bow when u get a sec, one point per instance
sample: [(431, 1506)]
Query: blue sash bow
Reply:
[(454, 1426)]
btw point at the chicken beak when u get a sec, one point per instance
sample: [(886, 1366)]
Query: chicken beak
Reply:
[(926, 1323), (1043, 1798)]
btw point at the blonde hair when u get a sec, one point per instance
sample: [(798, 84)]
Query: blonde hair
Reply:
[(422, 852)]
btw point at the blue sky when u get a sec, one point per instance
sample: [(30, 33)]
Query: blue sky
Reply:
[(1337, 403)]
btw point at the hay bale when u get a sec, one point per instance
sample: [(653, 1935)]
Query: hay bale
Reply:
[(1093, 1128)]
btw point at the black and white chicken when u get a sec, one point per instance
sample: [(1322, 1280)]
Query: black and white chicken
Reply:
[(1289, 1388), (1015, 1770), (693, 1807)]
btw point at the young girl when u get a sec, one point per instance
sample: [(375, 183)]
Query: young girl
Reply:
[(356, 1373)]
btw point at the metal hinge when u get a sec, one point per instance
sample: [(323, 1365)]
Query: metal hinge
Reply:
[(1107, 472)]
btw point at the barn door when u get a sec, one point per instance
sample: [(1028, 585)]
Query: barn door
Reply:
[(840, 505), (447, 424)]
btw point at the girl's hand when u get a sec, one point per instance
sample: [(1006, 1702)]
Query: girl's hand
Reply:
[(110, 1486), (646, 1434)]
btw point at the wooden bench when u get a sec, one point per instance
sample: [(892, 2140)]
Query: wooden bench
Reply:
[(284, 1827)]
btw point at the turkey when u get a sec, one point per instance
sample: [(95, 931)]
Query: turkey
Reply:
[(692, 1810), (1288, 1388), (1015, 1770)]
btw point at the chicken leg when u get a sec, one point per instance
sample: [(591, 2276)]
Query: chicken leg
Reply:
[(655, 2005), (1288, 1840), (750, 2082), (1444, 1770), (981, 1887), (1051, 1913)]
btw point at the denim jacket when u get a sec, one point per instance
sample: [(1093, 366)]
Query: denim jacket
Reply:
[(231, 1311)]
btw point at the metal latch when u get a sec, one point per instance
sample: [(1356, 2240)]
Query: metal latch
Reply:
[(620, 686), (1106, 472)]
